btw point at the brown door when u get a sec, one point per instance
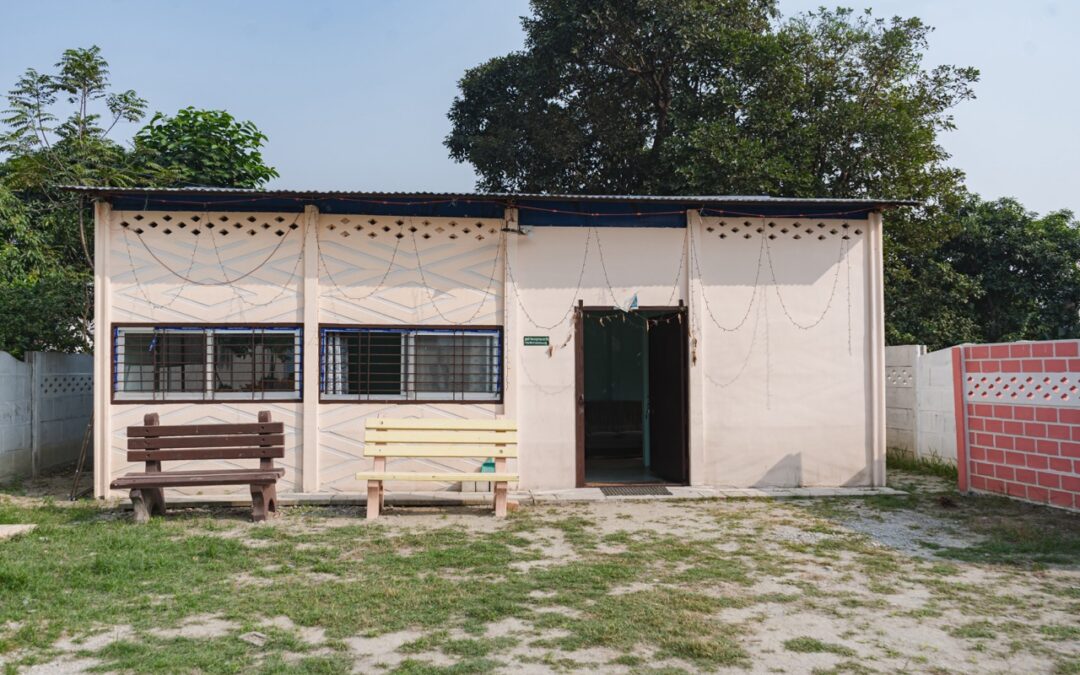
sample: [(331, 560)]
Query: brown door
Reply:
[(668, 385), (579, 393)]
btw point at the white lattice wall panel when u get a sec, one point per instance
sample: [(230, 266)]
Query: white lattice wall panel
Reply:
[(383, 269), (260, 253), (124, 416), (341, 443)]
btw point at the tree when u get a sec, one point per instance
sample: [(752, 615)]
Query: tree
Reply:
[(56, 132), (206, 147), (726, 97), (1025, 267), (685, 96)]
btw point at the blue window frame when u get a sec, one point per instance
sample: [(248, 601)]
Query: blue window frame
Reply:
[(207, 363), (420, 363)]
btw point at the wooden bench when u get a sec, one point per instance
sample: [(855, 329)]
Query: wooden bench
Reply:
[(438, 439), (153, 443)]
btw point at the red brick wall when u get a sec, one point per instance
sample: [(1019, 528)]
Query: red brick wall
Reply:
[(1021, 420)]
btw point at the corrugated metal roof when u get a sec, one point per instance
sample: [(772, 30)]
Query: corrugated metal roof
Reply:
[(494, 196), (533, 208)]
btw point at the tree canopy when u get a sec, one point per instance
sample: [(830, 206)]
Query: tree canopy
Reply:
[(57, 130), (728, 97), (205, 147)]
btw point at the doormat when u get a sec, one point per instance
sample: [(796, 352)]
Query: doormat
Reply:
[(635, 491)]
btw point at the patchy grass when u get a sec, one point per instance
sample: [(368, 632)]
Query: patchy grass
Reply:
[(809, 645), (927, 466), (644, 586), (1015, 533)]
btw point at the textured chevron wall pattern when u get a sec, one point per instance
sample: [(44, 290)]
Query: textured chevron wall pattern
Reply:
[(211, 267)]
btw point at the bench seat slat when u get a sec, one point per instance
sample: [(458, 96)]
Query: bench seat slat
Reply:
[(206, 429), (245, 440), (433, 450), (440, 436), (198, 478), (181, 454), (440, 477), (441, 423)]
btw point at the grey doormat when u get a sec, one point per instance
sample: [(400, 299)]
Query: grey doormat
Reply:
[(634, 490)]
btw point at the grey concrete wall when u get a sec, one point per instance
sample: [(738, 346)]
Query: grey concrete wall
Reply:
[(919, 403), (45, 406), (16, 423), (901, 368)]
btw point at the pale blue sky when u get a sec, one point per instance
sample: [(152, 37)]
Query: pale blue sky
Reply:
[(354, 94)]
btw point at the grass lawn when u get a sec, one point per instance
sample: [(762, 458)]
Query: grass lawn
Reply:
[(930, 582)]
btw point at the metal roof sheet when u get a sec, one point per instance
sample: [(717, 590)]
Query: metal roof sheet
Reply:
[(539, 209), (106, 191)]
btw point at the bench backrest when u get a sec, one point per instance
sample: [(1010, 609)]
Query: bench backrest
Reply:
[(153, 442), (440, 438)]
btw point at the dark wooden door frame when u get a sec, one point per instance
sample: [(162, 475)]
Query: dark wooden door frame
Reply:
[(579, 381), (579, 393)]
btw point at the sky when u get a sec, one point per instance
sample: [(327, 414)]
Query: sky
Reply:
[(354, 95)]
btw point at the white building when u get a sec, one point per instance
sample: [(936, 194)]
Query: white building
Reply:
[(721, 341)]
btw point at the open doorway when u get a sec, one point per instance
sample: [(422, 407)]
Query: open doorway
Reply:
[(632, 396)]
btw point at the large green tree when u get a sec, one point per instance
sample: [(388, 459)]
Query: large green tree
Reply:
[(727, 97), (57, 131)]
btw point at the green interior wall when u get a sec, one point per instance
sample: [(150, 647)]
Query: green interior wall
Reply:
[(615, 363)]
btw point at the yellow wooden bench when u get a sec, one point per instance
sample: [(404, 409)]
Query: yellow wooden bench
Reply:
[(438, 439)]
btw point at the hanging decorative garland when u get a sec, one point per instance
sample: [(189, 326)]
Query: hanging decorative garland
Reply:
[(382, 280)]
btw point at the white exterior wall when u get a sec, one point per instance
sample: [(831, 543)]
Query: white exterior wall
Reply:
[(936, 406), (546, 265), (788, 398), (770, 403), (365, 279)]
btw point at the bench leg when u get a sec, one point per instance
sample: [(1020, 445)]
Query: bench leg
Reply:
[(374, 498), (155, 499), (500, 500), (140, 506), (263, 502)]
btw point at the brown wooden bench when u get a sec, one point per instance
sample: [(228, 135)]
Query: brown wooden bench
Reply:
[(153, 443)]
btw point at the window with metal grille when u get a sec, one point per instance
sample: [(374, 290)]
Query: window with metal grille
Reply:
[(411, 364), (186, 363)]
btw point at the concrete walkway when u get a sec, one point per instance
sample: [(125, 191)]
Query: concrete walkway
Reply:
[(588, 494), (593, 494)]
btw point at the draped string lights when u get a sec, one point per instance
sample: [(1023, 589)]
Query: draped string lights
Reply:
[(382, 280), (187, 277), (690, 260), (759, 297)]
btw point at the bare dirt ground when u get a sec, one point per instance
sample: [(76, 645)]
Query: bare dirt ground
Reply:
[(933, 582)]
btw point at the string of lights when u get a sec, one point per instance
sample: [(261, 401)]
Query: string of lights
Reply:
[(573, 301), (282, 288), (382, 280), (226, 280), (431, 295)]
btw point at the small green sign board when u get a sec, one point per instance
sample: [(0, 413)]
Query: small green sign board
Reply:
[(536, 341)]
